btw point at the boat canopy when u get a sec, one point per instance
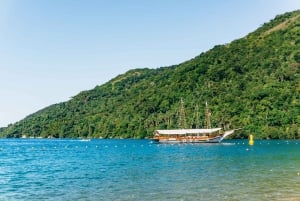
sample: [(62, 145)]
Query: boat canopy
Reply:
[(187, 131)]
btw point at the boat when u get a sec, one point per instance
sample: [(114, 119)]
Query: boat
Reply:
[(197, 135), (212, 135), (85, 139)]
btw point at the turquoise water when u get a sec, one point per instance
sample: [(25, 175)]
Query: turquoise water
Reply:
[(36, 169)]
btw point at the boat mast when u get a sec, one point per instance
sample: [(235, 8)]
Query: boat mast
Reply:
[(207, 116), (196, 117), (182, 121)]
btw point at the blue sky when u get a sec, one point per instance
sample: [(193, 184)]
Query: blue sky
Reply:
[(50, 50)]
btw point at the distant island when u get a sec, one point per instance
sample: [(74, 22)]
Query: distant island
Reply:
[(252, 82)]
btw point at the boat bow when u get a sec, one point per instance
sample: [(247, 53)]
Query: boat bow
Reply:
[(229, 132)]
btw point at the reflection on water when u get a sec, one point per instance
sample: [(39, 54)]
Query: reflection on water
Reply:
[(33, 169)]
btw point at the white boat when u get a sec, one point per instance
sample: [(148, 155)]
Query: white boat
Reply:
[(85, 140), (204, 135), (212, 135)]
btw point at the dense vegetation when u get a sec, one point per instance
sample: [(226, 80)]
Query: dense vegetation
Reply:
[(253, 83)]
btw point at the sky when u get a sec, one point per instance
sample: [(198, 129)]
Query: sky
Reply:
[(50, 50)]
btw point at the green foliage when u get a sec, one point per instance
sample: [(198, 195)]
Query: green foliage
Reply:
[(252, 83)]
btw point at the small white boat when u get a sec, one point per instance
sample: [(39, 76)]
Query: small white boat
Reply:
[(85, 140)]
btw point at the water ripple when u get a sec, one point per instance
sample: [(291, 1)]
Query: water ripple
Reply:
[(140, 170)]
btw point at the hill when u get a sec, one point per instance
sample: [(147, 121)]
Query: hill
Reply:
[(252, 82)]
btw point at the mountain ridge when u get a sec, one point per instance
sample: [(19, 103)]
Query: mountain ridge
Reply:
[(252, 82)]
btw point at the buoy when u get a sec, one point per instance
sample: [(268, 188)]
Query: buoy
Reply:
[(251, 141)]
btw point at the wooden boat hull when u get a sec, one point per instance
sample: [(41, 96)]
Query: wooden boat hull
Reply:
[(190, 136), (216, 139)]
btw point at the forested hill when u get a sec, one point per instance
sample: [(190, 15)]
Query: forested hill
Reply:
[(252, 82)]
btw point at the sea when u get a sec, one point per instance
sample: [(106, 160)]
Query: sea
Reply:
[(109, 169)]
